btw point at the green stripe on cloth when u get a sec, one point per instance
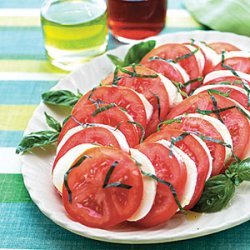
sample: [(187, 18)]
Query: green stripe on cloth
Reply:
[(23, 92), (12, 188), (10, 138)]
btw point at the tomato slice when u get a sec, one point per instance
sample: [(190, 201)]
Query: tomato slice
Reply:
[(123, 97), (236, 63), (113, 117), (236, 122), (98, 135), (167, 69), (170, 169), (151, 88), (95, 206), (222, 46), (194, 150), (234, 92), (173, 51)]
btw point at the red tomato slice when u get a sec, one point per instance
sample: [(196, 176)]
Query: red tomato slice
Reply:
[(123, 97), (236, 63), (221, 46), (217, 151), (235, 93), (113, 117), (97, 135), (150, 88), (170, 169), (236, 122), (194, 150), (173, 51), (95, 206), (167, 69)]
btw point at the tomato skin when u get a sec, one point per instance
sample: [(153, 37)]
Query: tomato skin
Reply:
[(234, 120), (218, 47), (194, 150), (169, 169), (230, 79), (113, 117), (172, 51), (149, 87), (121, 96), (95, 206), (97, 135), (236, 63)]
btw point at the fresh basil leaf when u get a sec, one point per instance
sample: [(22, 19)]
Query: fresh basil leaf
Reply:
[(244, 170), (138, 51), (53, 123), (218, 191), (37, 139), (115, 60), (61, 98)]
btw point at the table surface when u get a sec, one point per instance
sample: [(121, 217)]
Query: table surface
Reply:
[(24, 75)]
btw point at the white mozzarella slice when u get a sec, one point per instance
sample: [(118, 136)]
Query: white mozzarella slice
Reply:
[(210, 53), (233, 54), (182, 71), (173, 94), (199, 57), (191, 171), (121, 139), (214, 86), (66, 161), (206, 149), (148, 107), (149, 186), (224, 73), (221, 128)]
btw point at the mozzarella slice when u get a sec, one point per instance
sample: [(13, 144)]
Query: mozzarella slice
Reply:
[(182, 71), (149, 186), (148, 107), (224, 73), (191, 171), (173, 94), (66, 161), (199, 57), (214, 86), (206, 149), (221, 128), (210, 53), (233, 54), (121, 139)]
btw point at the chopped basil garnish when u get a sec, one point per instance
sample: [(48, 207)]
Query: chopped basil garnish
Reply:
[(66, 175), (215, 106), (167, 122), (61, 97), (227, 66), (175, 140), (215, 91), (135, 74), (168, 184), (209, 112), (198, 79), (103, 108), (220, 189), (141, 128)]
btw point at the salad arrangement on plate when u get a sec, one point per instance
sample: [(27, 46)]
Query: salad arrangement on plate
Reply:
[(167, 131)]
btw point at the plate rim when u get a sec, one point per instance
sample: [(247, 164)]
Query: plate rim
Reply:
[(134, 240)]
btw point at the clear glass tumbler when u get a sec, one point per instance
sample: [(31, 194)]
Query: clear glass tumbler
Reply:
[(136, 19), (74, 31)]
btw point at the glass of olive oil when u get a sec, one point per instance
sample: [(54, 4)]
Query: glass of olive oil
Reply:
[(74, 31)]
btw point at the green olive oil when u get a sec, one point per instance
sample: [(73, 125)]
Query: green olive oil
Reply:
[(74, 31)]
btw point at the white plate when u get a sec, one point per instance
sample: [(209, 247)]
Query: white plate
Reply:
[(36, 168)]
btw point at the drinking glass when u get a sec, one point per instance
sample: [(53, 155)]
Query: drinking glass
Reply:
[(74, 31), (136, 19)]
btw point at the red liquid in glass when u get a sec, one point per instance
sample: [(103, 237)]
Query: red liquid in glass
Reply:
[(136, 19)]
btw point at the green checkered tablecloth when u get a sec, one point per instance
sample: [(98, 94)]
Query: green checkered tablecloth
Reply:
[(24, 74)]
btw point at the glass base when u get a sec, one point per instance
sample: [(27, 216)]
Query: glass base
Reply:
[(69, 60), (126, 40)]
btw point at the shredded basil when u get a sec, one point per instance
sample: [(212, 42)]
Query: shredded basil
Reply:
[(103, 108), (167, 122), (216, 109), (140, 127), (215, 91), (208, 112), (177, 139), (198, 79)]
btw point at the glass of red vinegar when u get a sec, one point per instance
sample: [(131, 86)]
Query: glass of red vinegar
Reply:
[(131, 20)]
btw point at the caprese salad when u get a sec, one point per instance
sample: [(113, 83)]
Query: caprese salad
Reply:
[(167, 131)]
